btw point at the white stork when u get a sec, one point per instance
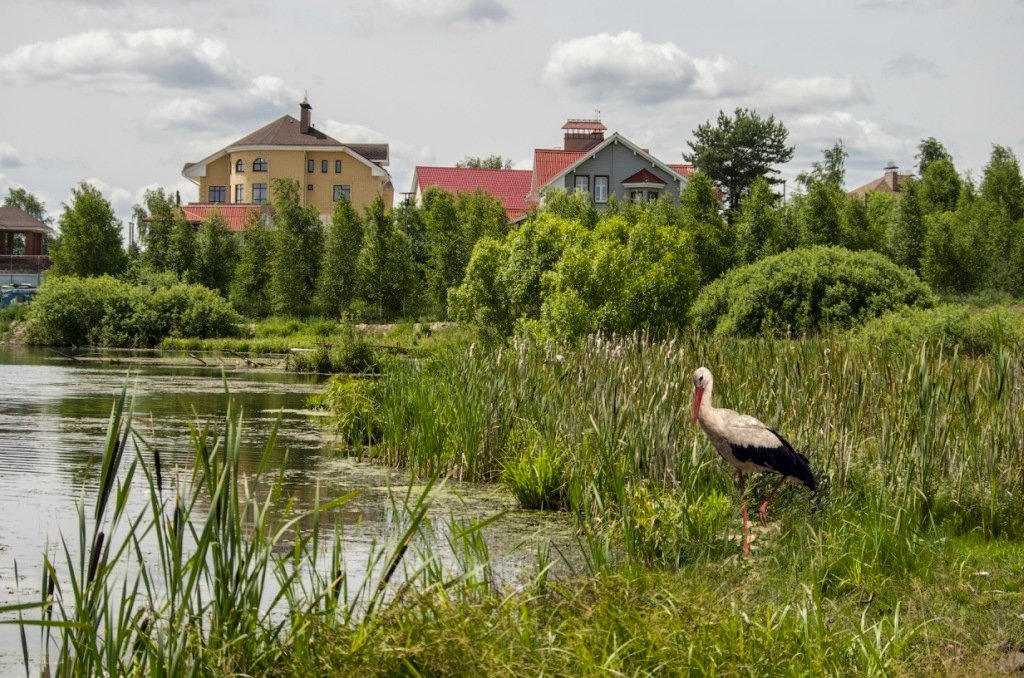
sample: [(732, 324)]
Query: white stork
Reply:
[(748, 445)]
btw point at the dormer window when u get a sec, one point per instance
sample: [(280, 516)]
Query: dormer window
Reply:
[(240, 167), (259, 165)]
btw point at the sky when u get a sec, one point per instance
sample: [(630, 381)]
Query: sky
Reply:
[(122, 93)]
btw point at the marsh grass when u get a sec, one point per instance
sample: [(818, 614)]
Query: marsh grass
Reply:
[(923, 437)]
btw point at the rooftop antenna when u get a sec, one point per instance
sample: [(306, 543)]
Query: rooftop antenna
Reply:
[(597, 114)]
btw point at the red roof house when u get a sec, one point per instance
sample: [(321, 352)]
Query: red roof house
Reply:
[(234, 215), (510, 186)]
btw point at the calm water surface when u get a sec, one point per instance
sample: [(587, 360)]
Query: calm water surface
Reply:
[(53, 420)]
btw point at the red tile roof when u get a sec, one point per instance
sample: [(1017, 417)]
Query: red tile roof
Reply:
[(643, 177), (549, 163), (235, 215), (510, 186), (686, 170)]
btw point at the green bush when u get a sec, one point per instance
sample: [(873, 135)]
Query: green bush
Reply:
[(353, 407), (806, 290), (104, 311), (974, 331), (348, 351)]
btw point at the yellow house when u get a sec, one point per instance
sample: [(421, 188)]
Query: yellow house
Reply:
[(242, 173)]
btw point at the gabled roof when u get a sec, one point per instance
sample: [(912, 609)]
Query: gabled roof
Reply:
[(510, 186), (549, 165), (14, 219), (644, 176), (234, 215)]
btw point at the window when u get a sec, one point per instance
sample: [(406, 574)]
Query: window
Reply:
[(218, 193), (259, 193), (582, 182), (259, 165), (342, 190), (240, 167), (636, 196), (337, 167), (600, 189), (323, 167), (311, 165), (652, 196), (239, 193)]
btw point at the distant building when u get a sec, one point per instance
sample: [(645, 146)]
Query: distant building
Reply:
[(604, 167), (890, 182), (241, 173), (509, 186), (23, 257)]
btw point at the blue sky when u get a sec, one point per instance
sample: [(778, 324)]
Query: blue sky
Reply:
[(122, 93)]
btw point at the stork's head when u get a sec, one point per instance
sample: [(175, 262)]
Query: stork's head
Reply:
[(701, 380)]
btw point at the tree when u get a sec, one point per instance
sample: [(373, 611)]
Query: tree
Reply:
[(157, 226), (388, 280), (216, 254), (940, 187), (737, 150), (90, 242), (27, 202), (831, 171), (757, 231), (713, 238), (928, 151), (822, 212), (906, 240), (337, 285), (298, 244), (490, 162), (251, 285), (1002, 213)]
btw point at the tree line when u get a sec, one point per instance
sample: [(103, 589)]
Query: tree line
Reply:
[(960, 234)]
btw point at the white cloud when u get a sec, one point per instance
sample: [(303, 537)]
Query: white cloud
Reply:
[(260, 100), (623, 65), (451, 11), (346, 132), (166, 57), (858, 134), (628, 68), (909, 64), (9, 156)]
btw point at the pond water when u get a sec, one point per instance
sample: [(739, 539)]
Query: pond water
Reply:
[(54, 413)]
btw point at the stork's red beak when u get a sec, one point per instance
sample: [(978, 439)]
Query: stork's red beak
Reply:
[(697, 395)]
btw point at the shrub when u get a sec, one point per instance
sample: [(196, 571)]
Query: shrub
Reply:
[(105, 311), (349, 352), (806, 290), (70, 311), (353, 407), (974, 331)]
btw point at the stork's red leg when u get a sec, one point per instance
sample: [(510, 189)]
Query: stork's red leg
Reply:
[(746, 521), (763, 510)]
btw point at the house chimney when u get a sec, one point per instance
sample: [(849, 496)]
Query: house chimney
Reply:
[(304, 109), (583, 135), (892, 176)]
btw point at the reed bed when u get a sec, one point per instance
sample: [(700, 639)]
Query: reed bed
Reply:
[(937, 434)]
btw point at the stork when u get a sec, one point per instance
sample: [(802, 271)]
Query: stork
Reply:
[(748, 445)]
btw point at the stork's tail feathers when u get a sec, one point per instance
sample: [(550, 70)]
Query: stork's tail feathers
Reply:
[(804, 474)]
